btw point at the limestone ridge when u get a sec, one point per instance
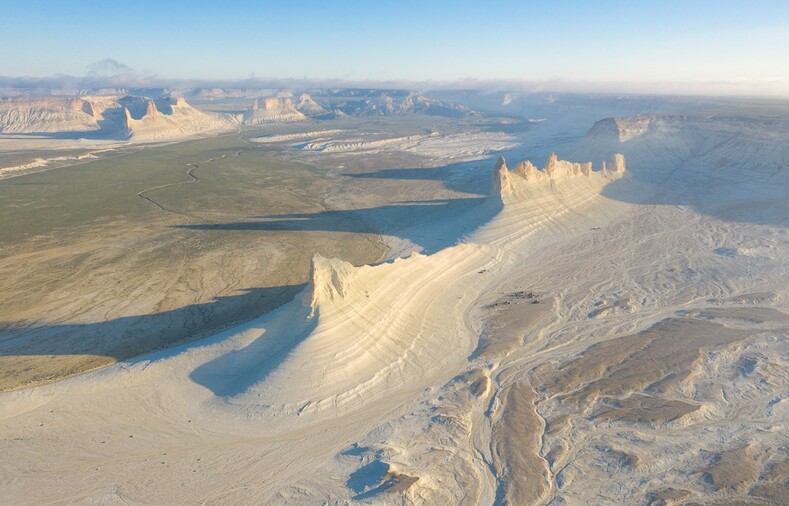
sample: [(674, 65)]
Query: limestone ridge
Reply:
[(505, 179), (271, 110), (129, 117), (306, 105), (329, 281), (622, 129), (144, 118), (53, 114)]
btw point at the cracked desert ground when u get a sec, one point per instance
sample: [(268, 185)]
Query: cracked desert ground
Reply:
[(398, 311)]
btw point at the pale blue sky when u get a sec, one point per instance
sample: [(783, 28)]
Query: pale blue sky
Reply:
[(590, 42)]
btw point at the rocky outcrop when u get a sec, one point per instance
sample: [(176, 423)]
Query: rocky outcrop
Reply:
[(555, 167), (87, 107), (617, 164), (169, 118), (328, 281), (136, 117), (621, 129), (391, 103), (150, 110), (271, 110), (48, 114), (501, 177), (526, 170), (504, 179), (306, 105), (126, 120)]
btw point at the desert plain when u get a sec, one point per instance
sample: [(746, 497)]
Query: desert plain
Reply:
[(374, 297)]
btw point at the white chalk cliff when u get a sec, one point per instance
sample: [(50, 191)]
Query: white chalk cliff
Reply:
[(511, 182), (306, 105), (169, 118), (134, 117), (271, 110)]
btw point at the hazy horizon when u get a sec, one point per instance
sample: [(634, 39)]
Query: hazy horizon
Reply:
[(713, 48)]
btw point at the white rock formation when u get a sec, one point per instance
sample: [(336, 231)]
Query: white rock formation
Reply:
[(171, 118), (330, 279), (51, 114), (306, 105), (504, 179), (139, 118), (622, 129), (271, 110)]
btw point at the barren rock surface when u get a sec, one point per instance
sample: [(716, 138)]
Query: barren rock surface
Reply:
[(575, 334)]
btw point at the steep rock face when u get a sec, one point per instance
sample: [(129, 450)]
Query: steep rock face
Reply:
[(386, 105), (306, 105), (501, 177), (271, 110), (169, 118), (622, 129), (722, 142), (126, 120), (51, 114), (555, 168), (87, 107), (617, 163), (504, 180), (526, 170), (151, 110), (138, 107), (330, 279), (138, 117)]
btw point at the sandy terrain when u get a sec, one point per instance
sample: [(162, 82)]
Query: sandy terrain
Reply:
[(102, 268), (577, 337)]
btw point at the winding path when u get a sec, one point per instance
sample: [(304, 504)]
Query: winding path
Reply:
[(192, 179)]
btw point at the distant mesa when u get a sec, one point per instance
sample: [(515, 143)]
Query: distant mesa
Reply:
[(356, 103), (143, 114), (333, 114), (622, 129), (52, 114), (225, 93), (386, 105), (132, 117), (271, 110), (505, 180), (165, 118), (309, 107), (149, 114)]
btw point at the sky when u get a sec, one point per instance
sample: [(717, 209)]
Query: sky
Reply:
[(665, 45)]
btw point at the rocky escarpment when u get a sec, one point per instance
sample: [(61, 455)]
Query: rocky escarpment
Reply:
[(329, 279), (119, 117), (306, 105), (388, 104), (622, 129), (505, 179), (50, 114), (722, 142), (271, 110), (166, 118)]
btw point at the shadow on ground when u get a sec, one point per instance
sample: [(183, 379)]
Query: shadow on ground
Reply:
[(125, 337), (236, 371), (431, 225)]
